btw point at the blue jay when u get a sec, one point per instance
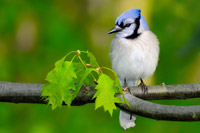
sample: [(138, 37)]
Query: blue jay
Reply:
[(134, 54)]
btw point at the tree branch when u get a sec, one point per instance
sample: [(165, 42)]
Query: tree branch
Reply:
[(163, 91), (30, 93), (161, 112)]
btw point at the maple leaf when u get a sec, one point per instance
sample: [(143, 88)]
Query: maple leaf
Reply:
[(60, 83), (81, 77), (93, 61), (105, 95)]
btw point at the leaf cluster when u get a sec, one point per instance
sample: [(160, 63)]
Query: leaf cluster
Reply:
[(66, 79)]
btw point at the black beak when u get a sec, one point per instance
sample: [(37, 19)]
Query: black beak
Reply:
[(115, 29)]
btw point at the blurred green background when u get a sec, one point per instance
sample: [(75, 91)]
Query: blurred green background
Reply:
[(34, 34)]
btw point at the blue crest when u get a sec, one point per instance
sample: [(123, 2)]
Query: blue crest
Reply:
[(133, 13)]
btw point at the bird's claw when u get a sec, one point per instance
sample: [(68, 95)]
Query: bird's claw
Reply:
[(143, 87), (125, 89)]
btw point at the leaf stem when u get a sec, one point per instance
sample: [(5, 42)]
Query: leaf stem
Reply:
[(73, 58), (82, 61), (85, 66), (84, 52), (109, 70), (70, 53)]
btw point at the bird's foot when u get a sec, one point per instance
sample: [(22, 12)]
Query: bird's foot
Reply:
[(125, 89), (143, 87)]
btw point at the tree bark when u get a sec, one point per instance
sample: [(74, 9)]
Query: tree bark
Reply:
[(161, 112), (30, 93)]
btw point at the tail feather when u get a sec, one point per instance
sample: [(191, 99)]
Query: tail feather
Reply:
[(126, 120)]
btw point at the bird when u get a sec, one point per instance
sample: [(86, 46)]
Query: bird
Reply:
[(134, 55)]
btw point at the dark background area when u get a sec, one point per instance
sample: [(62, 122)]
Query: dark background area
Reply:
[(34, 34)]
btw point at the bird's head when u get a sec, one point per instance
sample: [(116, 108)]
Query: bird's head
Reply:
[(129, 24)]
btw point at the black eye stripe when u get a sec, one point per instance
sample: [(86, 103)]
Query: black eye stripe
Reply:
[(121, 25), (127, 25)]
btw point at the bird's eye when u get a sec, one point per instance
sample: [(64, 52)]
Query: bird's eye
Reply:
[(127, 25)]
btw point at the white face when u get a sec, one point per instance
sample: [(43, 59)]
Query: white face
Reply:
[(127, 30), (129, 26)]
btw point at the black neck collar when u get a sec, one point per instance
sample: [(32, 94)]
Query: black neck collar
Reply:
[(135, 33)]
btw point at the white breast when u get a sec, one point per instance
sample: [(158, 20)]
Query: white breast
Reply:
[(135, 58)]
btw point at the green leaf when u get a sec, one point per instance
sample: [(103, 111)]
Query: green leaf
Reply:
[(93, 61), (81, 76), (60, 82), (78, 67), (105, 95), (119, 87), (89, 80)]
